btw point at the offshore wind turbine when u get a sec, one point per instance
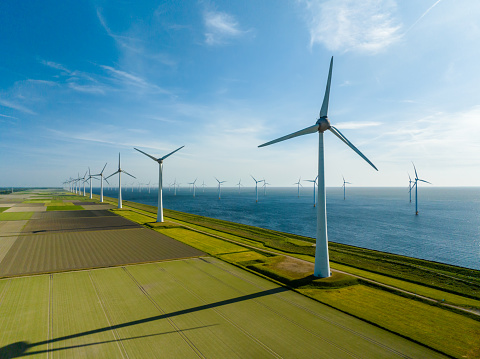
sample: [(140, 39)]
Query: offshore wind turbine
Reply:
[(119, 171), (265, 183), (160, 180), (410, 187), (314, 185), (101, 182), (344, 183), (322, 265), (256, 187), (193, 186), (298, 185), (416, 188), (203, 186), (239, 184), (219, 187)]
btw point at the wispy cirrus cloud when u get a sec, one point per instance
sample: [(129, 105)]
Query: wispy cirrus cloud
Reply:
[(221, 27), (16, 106), (367, 26)]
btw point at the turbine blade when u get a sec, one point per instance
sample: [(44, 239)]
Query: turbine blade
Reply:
[(118, 160), (416, 175), (103, 168), (305, 131), (253, 178), (128, 174), (171, 153), (107, 181), (347, 142), (146, 154), (114, 173), (424, 181), (324, 110)]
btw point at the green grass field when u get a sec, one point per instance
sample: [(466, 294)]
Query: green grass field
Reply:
[(186, 308)]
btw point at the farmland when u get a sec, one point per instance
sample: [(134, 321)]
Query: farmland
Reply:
[(183, 308), (91, 297)]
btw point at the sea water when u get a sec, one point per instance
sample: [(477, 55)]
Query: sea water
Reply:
[(446, 230)]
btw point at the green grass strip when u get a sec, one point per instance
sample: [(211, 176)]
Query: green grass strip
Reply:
[(3, 209), (15, 216), (64, 208)]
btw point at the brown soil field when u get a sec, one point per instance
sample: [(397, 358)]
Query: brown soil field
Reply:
[(78, 224), (52, 252)]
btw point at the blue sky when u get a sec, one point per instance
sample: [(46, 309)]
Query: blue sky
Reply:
[(82, 81)]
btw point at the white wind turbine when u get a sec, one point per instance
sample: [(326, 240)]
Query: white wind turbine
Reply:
[(322, 265), (84, 181), (119, 171), (219, 187), (344, 183), (314, 185), (203, 186), (90, 176), (239, 184), (256, 187), (416, 188), (298, 185), (410, 187), (102, 177), (160, 180), (193, 186), (265, 183)]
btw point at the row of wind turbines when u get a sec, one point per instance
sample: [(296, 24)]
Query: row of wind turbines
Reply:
[(322, 124)]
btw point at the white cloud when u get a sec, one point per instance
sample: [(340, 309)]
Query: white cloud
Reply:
[(356, 125), (220, 27), (86, 88), (367, 26), (16, 106)]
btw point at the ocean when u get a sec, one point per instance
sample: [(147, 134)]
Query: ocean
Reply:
[(447, 229)]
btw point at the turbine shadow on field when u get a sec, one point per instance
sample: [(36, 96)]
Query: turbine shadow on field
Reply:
[(18, 349)]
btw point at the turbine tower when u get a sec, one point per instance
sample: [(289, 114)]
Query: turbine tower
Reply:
[(90, 176), (256, 187), (344, 183), (322, 265), (314, 185), (416, 188), (102, 177), (119, 171), (160, 180), (219, 187)]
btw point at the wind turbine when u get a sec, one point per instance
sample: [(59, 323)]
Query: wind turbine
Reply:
[(298, 185), (314, 185), (410, 187), (193, 186), (344, 182), (84, 180), (265, 183), (160, 180), (416, 188), (256, 187), (239, 184), (203, 186), (90, 176), (322, 265), (119, 171), (219, 187), (101, 182)]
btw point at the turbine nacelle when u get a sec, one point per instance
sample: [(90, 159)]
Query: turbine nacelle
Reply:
[(323, 124)]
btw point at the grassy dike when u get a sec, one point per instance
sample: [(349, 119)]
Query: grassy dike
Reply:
[(275, 255)]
